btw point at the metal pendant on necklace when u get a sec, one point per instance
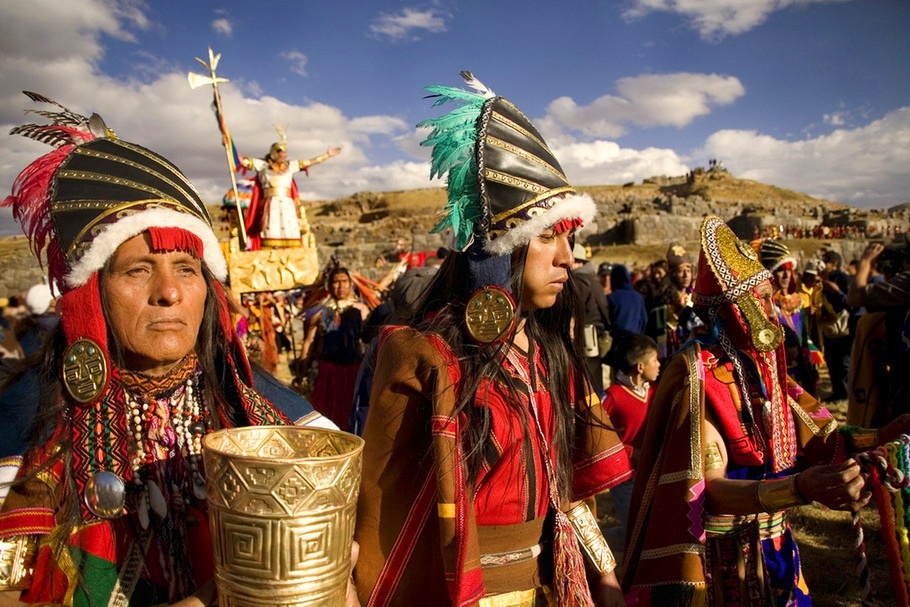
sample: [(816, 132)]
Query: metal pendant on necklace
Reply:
[(105, 495)]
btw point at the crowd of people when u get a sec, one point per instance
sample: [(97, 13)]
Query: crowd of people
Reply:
[(497, 393), (851, 231)]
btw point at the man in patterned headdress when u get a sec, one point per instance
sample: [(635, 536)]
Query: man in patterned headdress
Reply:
[(484, 435), (717, 478)]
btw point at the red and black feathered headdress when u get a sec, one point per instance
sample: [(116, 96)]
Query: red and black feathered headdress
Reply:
[(79, 203)]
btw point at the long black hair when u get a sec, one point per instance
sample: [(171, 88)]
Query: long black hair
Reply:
[(556, 331)]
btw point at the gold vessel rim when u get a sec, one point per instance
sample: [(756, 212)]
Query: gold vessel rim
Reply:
[(356, 448)]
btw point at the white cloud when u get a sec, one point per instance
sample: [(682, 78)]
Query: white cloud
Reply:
[(836, 118), (864, 166), (398, 175), (606, 163), (59, 57), (715, 19), (648, 100), (297, 60), (407, 24), (49, 29), (223, 26)]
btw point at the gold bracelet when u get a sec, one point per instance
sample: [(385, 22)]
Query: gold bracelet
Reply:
[(713, 458), (591, 539), (779, 494), (17, 562), (861, 439)]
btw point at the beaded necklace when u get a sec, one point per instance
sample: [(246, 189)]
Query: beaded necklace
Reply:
[(166, 418), (161, 428)]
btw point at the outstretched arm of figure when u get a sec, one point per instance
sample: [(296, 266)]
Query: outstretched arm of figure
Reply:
[(321, 158), (243, 161), (837, 486)]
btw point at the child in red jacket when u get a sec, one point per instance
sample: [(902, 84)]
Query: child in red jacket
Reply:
[(634, 356)]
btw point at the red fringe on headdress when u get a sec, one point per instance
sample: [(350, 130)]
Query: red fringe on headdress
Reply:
[(30, 201), (564, 225), (175, 239)]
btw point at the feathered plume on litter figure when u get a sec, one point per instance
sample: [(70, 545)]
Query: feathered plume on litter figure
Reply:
[(28, 198)]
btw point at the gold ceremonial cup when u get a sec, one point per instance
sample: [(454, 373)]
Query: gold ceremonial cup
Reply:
[(282, 504)]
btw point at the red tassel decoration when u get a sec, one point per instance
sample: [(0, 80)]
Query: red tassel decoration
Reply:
[(570, 585)]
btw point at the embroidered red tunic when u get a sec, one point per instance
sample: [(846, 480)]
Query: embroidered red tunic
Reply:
[(426, 536)]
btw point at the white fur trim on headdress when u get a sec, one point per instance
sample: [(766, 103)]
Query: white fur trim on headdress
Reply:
[(780, 262), (112, 236), (571, 206)]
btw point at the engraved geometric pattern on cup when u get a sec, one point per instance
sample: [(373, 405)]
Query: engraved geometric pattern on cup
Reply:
[(230, 484), (259, 475), (306, 556), (348, 482), (246, 545), (262, 493), (275, 446), (243, 443), (303, 442), (321, 474)]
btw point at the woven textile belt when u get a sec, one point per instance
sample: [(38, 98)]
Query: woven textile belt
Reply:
[(769, 525), (513, 557)]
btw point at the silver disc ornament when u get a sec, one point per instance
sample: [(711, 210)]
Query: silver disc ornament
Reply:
[(105, 495)]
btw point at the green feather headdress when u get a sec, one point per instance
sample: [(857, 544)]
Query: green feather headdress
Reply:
[(454, 140)]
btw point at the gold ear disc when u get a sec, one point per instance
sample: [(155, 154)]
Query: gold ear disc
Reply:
[(490, 315), (84, 370), (766, 334)]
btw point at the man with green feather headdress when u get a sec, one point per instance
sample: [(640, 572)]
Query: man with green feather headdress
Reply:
[(484, 435)]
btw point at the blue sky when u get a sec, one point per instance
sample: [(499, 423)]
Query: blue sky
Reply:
[(812, 95)]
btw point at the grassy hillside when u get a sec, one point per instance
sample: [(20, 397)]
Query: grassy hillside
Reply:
[(717, 186)]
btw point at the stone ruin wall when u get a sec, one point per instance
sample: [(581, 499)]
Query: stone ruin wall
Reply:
[(358, 229)]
